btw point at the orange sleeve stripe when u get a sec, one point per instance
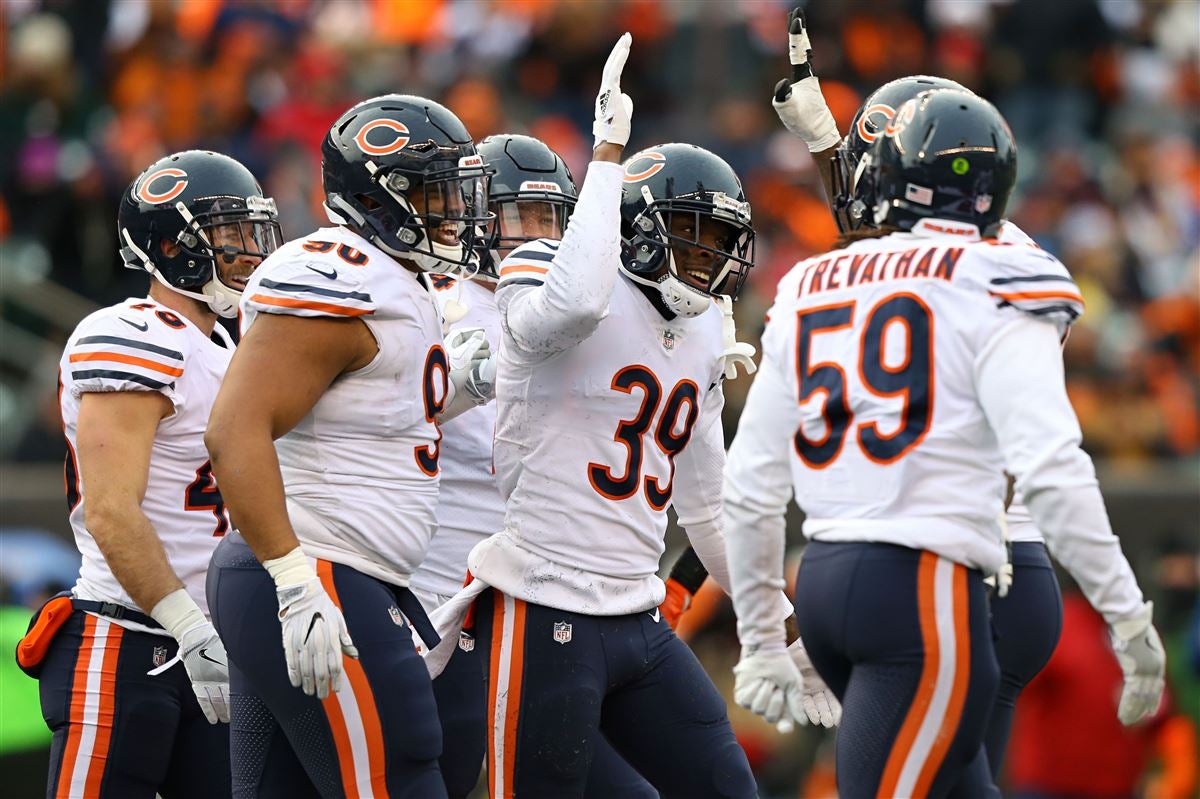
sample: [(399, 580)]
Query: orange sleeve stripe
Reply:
[(1039, 295), (537, 270), (132, 360), (326, 307)]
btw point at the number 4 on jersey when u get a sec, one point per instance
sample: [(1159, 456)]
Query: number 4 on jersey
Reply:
[(203, 494), (911, 380)]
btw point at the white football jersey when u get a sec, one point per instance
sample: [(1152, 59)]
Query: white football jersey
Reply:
[(470, 507), (360, 471), (595, 438), (874, 350), (138, 345)]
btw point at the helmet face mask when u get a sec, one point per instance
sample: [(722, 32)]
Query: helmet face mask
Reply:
[(210, 213), (531, 196), (686, 227), (402, 172)]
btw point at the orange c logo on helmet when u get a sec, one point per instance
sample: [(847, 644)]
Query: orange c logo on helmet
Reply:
[(657, 162), (147, 195), (904, 115), (865, 133), (394, 146)]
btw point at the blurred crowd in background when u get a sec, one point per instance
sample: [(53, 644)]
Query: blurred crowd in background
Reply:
[(1101, 94)]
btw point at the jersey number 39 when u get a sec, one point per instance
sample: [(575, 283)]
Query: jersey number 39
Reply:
[(911, 380), (680, 406)]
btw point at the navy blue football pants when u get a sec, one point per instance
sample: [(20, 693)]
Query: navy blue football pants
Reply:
[(558, 680), (119, 732), (904, 639), (461, 692), (377, 736), (1026, 625)]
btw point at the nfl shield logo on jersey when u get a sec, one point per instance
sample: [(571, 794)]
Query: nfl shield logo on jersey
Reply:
[(159, 656), (466, 642), (668, 340), (562, 632), (397, 616)]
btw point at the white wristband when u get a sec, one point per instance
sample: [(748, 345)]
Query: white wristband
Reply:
[(177, 612), (293, 568)]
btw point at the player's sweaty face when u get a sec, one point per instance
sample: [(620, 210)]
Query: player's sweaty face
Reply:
[(697, 263), (441, 205), (235, 264)]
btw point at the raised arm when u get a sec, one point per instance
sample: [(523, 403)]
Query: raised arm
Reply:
[(553, 295)]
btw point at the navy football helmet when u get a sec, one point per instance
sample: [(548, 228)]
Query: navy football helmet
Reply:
[(685, 226), (531, 194), (204, 204), (870, 121), (946, 154), (402, 172)]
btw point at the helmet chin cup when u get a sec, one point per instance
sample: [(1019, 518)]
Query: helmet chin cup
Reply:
[(683, 300), (222, 299)]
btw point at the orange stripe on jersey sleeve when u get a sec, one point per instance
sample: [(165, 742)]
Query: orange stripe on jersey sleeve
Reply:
[(530, 268), (118, 357), (1039, 295), (324, 307)]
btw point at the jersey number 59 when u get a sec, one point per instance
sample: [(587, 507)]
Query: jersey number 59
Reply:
[(911, 380)]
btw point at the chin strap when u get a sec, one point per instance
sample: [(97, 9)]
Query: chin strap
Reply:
[(737, 353)]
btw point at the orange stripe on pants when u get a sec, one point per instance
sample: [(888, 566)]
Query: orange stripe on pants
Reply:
[(929, 671), (504, 692), (75, 714), (108, 701), (333, 711), (364, 698), (962, 677)]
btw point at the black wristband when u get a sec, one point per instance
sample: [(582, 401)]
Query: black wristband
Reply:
[(688, 571)]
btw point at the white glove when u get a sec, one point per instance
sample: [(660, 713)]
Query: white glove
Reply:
[(472, 364), (314, 633), (1139, 650), (614, 110), (737, 353), (767, 682), (820, 704), (207, 667), (798, 102), (1002, 580), (200, 651)]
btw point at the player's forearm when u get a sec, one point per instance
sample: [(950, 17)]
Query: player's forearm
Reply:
[(574, 298), (1078, 535), (824, 162), (754, 545), (247, 469), (133, 551)]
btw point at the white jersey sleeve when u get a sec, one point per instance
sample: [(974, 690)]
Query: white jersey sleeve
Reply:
[(1027, 279), (310, 278), (1022, 392), (758, 487), (129, 350), (552, 295)]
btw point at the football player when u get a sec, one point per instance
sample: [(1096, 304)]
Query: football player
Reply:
[(326, 432), (1027, 612), (531, 195), (909, 370), (608, 412), (136, 383)]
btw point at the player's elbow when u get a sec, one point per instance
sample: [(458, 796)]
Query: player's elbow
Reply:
[(103, 516), (218, 437)]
